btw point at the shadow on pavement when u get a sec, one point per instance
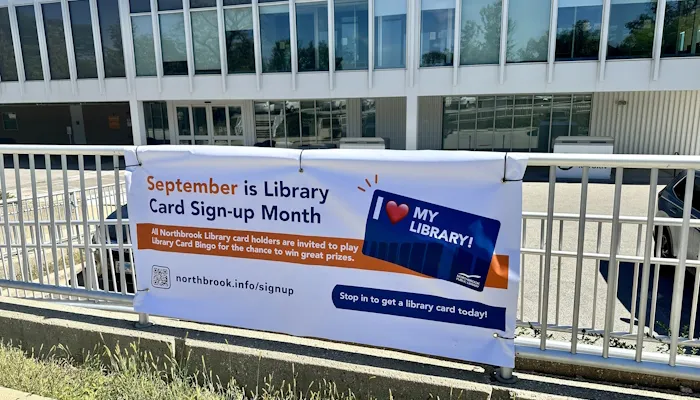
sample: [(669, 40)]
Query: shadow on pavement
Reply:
[(664, 297)]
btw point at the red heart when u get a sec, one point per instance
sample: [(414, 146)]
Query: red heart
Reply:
[(396, 212)]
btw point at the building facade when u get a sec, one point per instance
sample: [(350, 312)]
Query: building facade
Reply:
[(422, 74)]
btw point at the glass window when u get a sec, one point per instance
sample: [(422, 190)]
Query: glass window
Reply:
[(202, 3), (351, 30), (9, 121), (560, 124), (631, 29), (308, 122), (274, 35), (156, 119), (528, 30), (111, 33), (581, 115), (81, 24), (29, 41), (236, 2), (578, 29), (681, 28), (183, 121), (334, 127), (139, 6), (513, 123), (168, 5), (389, 34), (205, 39), (142, 30), (437, 33), (172, 41), (262, 124), (369, 114), (240, 49), (541, 117), (8, 66), (312, 36), (55, 40), (292, 124), (235, 116), (480, 38), (523, 136)]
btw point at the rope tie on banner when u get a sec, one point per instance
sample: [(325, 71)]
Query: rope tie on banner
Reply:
[(301, 169), (138, 162), (143, 290), (499, 336), (505, 170)]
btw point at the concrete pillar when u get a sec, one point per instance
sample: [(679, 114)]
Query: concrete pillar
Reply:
[(138, 122), (411, 122)]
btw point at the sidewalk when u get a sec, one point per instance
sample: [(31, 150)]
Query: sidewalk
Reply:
[(9, 394)]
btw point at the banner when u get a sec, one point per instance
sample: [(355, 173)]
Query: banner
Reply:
[(412, 250)]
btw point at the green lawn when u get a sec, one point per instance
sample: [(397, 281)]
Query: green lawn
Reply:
[(130, 374)]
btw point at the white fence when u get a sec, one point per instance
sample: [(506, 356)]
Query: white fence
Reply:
[(597, 288)]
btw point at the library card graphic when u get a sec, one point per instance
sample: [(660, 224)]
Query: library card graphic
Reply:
[(437, 241)]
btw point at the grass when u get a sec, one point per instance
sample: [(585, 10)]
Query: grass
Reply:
[(132, 374)]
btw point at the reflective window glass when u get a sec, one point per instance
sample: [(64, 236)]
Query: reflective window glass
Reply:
[(292, 124), (55, 40), (631, 31), (240, 49), (275, 40), (81, 24), (437, 33), (528, 30), (581, 115), (142, 31), (202, 3), (389, 34), (156, 120), (681, 28), (513, 123), (183, 121), (308, 122), (29, 41), (168, 5), (480, 36), (111, 35), (172, 41), (205, 39), (8, 66), (262, 124), (236, 2), (369, 118), (312, 36), (351, 30), (578, 29), (139, 6)]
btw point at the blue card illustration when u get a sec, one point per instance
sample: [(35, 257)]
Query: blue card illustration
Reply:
[(437, 241)]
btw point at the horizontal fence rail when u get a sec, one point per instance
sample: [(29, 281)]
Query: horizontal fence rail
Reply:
[(609, 275)]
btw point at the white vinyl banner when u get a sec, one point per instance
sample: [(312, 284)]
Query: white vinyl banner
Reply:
[(412, 250)]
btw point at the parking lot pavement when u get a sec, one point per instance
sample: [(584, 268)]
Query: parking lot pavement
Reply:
[(634, 202)]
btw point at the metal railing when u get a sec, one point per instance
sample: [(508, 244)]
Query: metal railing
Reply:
[(597, 288)]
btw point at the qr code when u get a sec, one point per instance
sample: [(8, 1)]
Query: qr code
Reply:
[(160, 277)]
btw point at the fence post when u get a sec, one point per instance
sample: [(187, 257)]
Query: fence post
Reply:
[(505, 375), (144, 321)]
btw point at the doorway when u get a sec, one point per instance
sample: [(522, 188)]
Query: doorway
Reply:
[(210, 124)]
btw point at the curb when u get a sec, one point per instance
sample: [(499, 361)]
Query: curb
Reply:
[(10, 394)]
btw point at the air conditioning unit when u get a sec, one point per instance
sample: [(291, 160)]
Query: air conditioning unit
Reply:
[(362, 143)]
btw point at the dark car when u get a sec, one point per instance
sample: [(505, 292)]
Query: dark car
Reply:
[(112, 255), (670, 205)]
